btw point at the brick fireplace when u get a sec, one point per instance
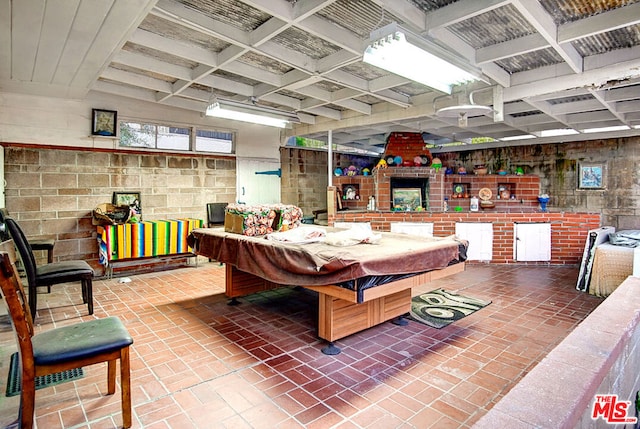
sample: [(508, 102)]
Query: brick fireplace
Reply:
[(425, 178)]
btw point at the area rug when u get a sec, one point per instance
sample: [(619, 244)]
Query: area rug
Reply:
[(439, 308), (14, 380)]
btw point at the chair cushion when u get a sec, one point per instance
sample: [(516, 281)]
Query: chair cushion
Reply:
[(62, 269), (82, 340)]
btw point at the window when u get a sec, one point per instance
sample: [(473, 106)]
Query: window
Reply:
[(214, 141), (173, 138), (168, 137), (137, 135)]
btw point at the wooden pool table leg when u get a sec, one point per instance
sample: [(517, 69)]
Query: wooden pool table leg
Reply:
[(338, 318)]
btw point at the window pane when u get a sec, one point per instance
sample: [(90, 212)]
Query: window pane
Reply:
[(173, 138), (137, 135), (214, 141)]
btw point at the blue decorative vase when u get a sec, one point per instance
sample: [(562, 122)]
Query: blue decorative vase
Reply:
[(543, 203)]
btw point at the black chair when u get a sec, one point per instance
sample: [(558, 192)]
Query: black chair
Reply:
[(215, 214), (50, 274), (45, 244)]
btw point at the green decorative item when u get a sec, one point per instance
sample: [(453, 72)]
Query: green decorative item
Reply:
[(458, 209), (436, 163)]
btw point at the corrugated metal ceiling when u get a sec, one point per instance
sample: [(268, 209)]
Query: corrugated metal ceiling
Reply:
[(545, 64)]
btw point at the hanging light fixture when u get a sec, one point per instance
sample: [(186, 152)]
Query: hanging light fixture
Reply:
[(399, 51), (464, 111), (237, 111)]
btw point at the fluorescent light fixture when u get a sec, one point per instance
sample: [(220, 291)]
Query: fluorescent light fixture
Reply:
[(558, 132), (518, 137), (606, 129), (236, 111), (406, 54)]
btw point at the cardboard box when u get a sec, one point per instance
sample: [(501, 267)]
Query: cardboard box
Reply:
[(251, 223), (233, 223)]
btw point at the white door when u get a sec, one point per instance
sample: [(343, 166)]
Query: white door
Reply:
[(480, 237), (2, 199), (532, 241), (419, 229), (258, 181)]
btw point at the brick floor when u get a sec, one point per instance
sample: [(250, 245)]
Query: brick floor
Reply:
[(200, 363)]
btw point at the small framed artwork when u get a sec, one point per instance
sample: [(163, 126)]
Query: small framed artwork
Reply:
[(592, 175), (131, 199), (407, 198), (104, 122)]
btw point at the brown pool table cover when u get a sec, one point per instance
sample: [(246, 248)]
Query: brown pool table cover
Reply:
[(315, 264)]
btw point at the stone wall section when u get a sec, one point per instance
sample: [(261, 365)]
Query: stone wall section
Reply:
[(51, 192)]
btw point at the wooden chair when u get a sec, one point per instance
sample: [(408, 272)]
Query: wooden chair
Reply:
[(50, 274), (62, 349)]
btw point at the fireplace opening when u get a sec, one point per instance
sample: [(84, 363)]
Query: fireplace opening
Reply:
[(409, 193)]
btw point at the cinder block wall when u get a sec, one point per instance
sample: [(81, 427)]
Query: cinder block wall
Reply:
[(305, 177), (52, 191)]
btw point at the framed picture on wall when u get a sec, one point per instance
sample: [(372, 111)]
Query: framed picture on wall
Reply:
[(592, 175), (407, 198), (131, 199), (104, 122)]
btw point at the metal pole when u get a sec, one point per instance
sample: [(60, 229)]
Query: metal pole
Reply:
[(330, 161)]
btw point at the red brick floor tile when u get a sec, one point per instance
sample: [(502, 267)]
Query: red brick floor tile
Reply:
[(312, 413)]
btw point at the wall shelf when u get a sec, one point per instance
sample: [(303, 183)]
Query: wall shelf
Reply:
[(506, 191)]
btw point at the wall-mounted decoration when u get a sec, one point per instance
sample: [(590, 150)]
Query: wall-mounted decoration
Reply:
[(104, 122), (592, 175), (460, 190), (350, 192), (131, 199), (407, 199)]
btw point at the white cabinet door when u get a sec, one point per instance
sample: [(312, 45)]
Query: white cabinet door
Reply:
[(419, 229), (480, 237), (532, 241)]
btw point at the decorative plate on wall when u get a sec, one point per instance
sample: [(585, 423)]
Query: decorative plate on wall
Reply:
[(485, 194)]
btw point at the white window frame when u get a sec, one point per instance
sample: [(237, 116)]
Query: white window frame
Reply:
[(193, 131)]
